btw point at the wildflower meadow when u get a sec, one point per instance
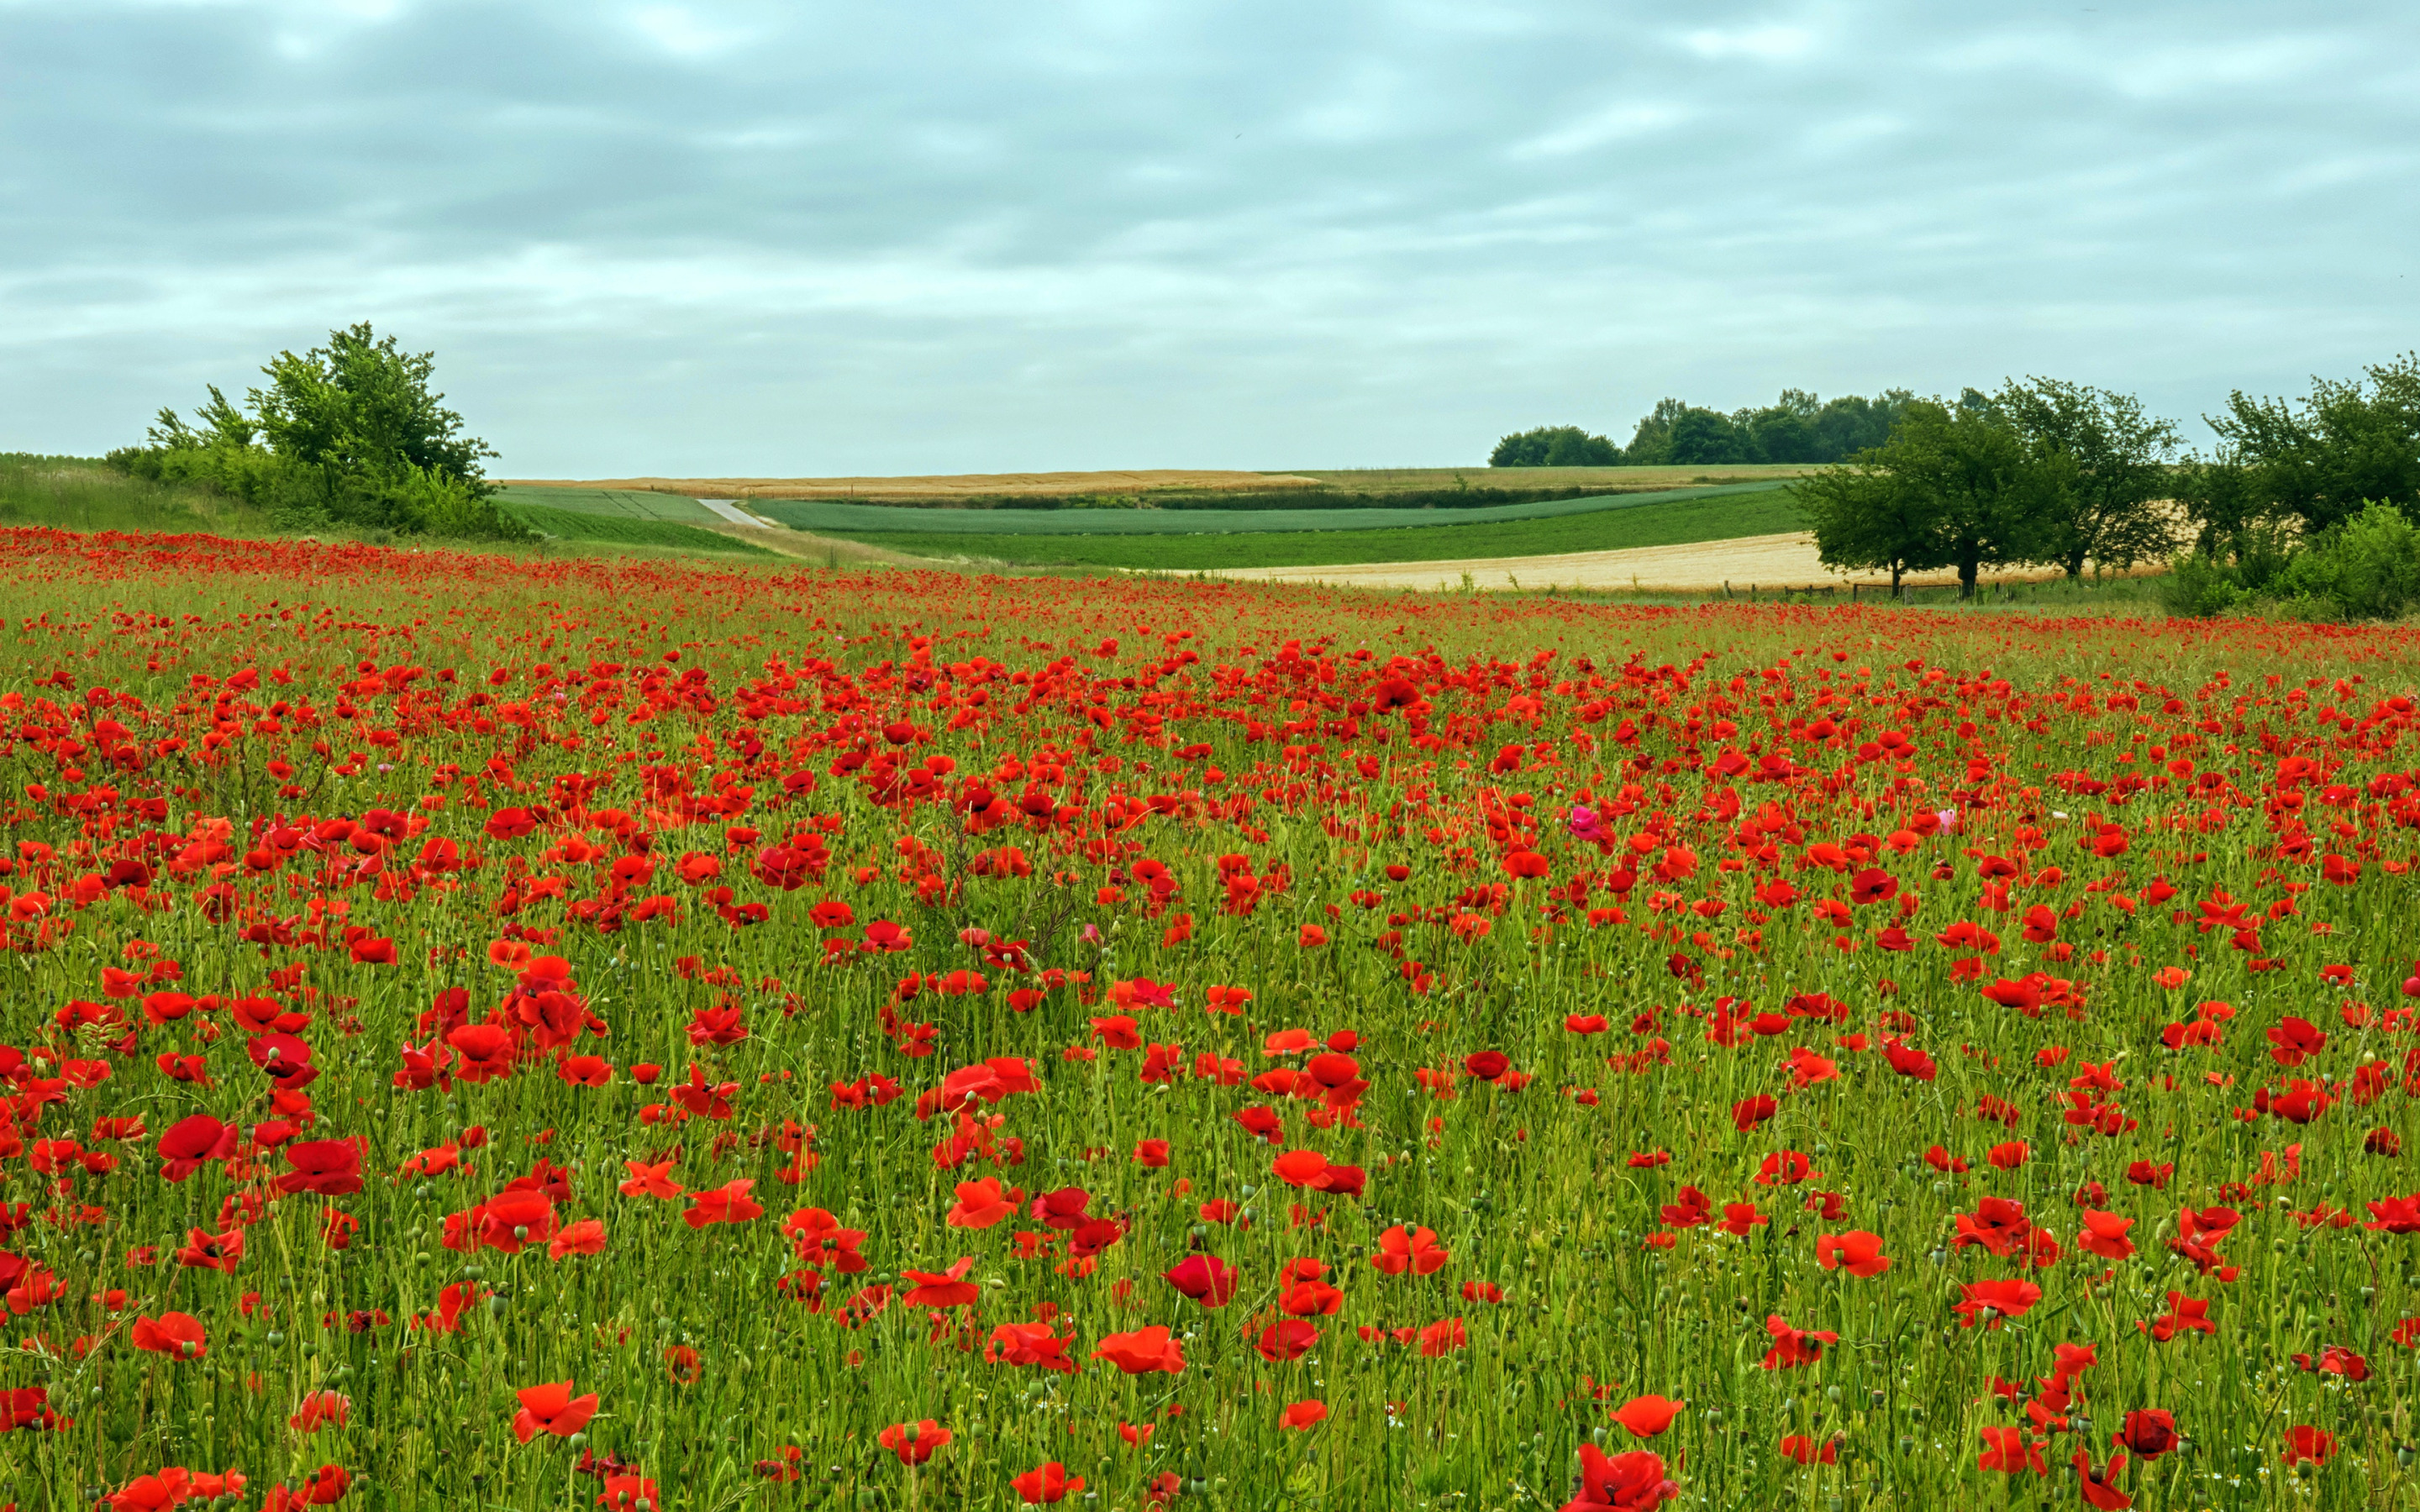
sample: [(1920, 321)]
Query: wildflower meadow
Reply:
[(494, 1033)]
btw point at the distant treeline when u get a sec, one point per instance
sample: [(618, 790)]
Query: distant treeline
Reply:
[(1798, 427)]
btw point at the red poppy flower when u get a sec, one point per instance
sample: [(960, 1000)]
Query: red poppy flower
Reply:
[(206, 1251), (2307, 1442), (941, 1288), (1288, 1338), (984, 1203), (914, 1442), (585, 1237), (2011, 1452), (1741, 1218), (650, 1181), (1858, 1252), (1062, 1208), (1991, 1302), (2099, 1488), (190, 1144), (2104, 1234), (325, 1487), (1647, 1416), (2186, 1315), (1046, 1484), (2148, 1433), (1029, 1344), (1205, 1278), (178, 1335), (726, 1204), (319, 1407), (552, 1408), (1400, 1249), (1794, 1346), (1303, 1414), (1142, 1351), (1633, 1482), (2336, 1360), (1443, 1338), (331, 1167), (1800, 1449)]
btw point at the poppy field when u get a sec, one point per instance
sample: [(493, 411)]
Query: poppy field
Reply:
[(493, 1034)]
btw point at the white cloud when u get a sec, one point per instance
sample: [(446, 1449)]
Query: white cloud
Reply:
[(1256, 233), (1615, 123), (1770, 44), (682, 32)]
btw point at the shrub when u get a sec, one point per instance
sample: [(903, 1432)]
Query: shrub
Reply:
[(2366, 568)]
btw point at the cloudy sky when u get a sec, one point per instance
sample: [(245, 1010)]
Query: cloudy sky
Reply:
[(725, 236)]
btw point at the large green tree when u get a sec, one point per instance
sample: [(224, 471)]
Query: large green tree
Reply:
[(350, 433), (2311, 464), (361, 407), (2104, 464), (1867, 518), (1954, 487)]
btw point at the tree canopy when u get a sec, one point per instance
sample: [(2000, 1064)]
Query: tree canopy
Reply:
[(1555, 446), (1798, 427), (2311, 464), (350, 433), (1957, 485)]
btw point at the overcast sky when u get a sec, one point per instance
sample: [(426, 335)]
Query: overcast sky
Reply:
[(728, 237)]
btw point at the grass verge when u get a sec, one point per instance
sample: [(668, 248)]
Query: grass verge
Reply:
[(1678, 523), (622, 529)]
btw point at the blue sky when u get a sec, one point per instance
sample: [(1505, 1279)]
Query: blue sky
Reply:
[(785, 238)]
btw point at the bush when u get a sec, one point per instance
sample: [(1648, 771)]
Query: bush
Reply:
[(2366, 568), (345, 434)]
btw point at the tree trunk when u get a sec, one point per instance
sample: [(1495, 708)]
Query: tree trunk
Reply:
[(2075, 566), (1968, 570), (1896, 569)]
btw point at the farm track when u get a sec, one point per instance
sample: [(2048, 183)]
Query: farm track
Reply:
[(1754, 562)]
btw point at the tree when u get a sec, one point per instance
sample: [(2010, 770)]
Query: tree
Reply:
[(361, 407), (1784, 430), (1851, 424), (1952, 487), (2106, 465), (1555, 446), (1867, 518), (1650, 440), (1703, 438), (349, 433), (2313, 462)]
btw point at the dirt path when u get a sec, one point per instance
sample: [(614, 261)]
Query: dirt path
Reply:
[(1762, 561), (825, 550)]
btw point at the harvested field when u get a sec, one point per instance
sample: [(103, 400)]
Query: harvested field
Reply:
[(969, 485), (1769, 562)]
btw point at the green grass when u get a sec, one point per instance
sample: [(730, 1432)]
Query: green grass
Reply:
[(618, 503), (829, 517), (576, 525), (1383, 480), (76, 493), (1722, 517)]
